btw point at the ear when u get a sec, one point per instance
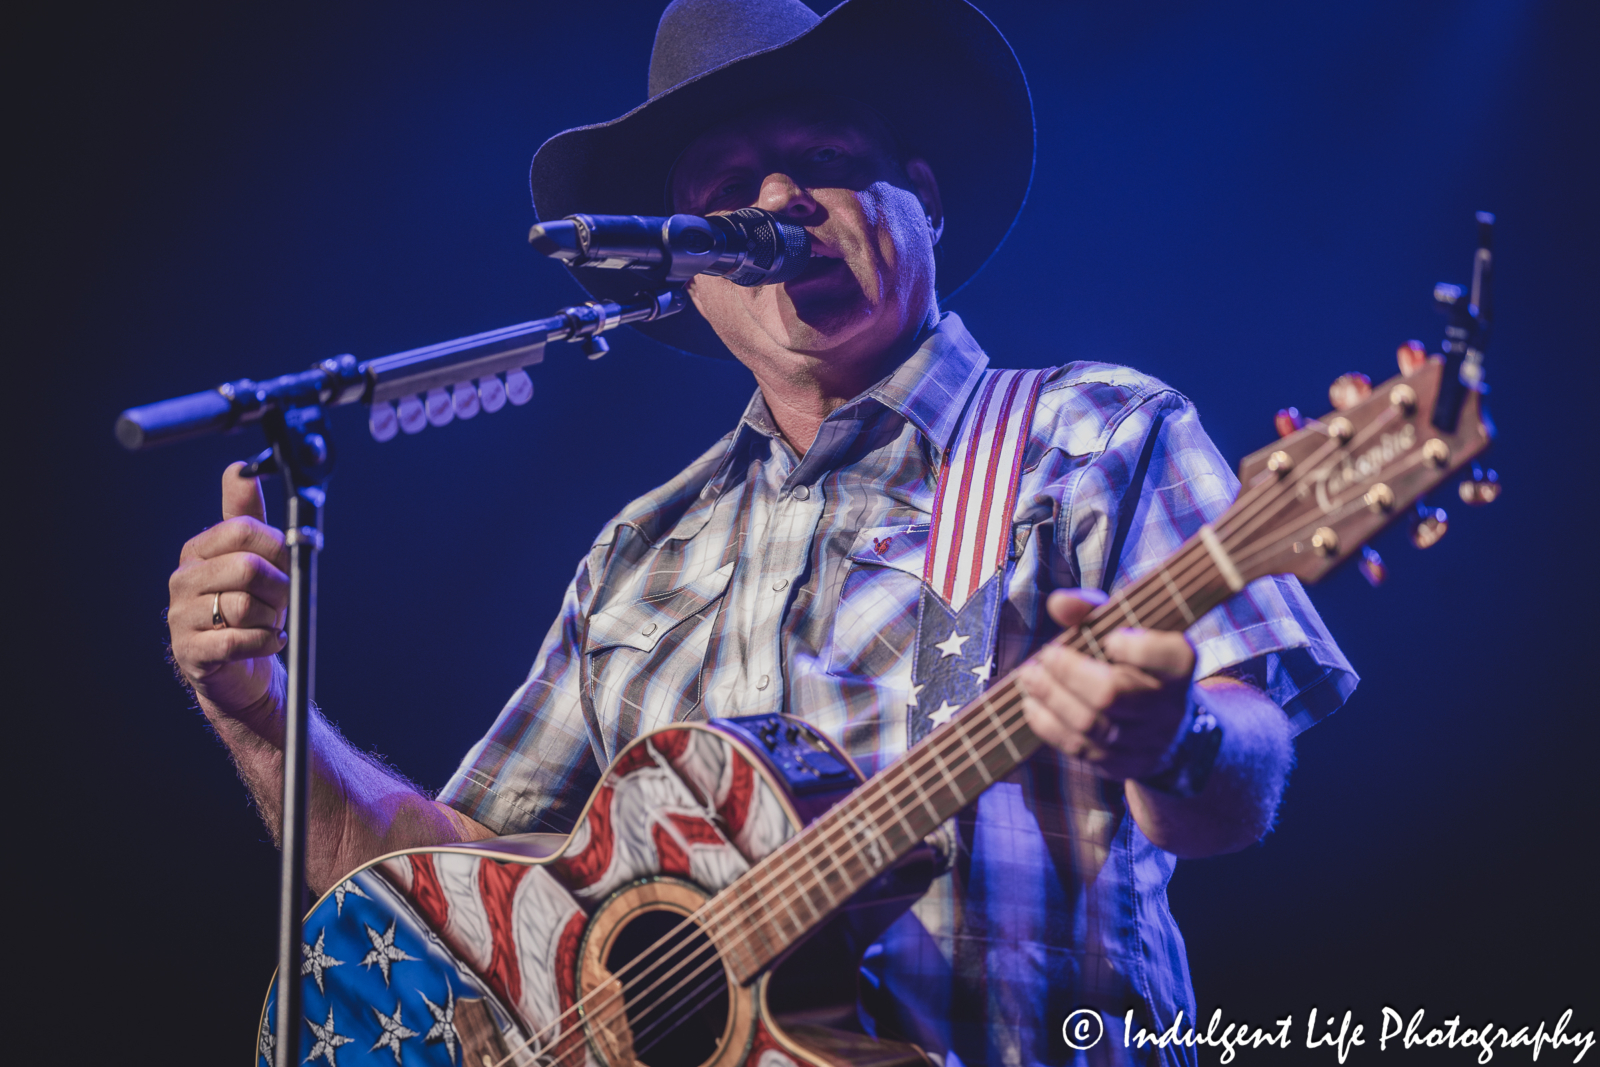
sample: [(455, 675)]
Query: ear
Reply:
[(927, 190)]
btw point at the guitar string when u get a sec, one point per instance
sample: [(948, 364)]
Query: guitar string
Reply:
[(1005, 707), (708, 916), (680, 1012), (1259, 517), (1185, 573), (1008, 705), (988, 746)]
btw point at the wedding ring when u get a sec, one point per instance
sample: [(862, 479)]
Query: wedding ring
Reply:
[(217, 621)]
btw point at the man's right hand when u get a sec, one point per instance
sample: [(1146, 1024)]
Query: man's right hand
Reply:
[(233, 667)]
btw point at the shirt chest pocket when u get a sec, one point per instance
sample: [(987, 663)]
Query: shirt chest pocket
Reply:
[(644, 657), (876, 621)]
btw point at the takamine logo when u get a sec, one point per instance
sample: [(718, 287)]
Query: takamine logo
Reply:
[(1331, 481)]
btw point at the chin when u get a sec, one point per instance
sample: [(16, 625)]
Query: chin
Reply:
[(815, 322)]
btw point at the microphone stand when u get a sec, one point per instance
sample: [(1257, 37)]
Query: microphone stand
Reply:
[(291, 410)]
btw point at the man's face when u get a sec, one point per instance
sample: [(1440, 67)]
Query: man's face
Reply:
[(829, 166)]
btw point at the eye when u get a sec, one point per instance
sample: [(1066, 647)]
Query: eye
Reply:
[(728, 189)]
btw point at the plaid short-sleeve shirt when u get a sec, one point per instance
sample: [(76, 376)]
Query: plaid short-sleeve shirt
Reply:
[(758, 581)]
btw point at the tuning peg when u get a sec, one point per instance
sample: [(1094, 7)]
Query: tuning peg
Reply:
[(595, 347), (1288, 420), (1483, 487), (1411, 356), (1428, 526), (412, 417), (1372, 567), (382, 421), (1348, 390)]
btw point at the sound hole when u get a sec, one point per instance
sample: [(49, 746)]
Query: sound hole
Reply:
[(677, 991)]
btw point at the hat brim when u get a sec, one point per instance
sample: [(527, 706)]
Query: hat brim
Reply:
[(938, 71)]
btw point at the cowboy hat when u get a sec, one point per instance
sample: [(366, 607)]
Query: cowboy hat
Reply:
[(938, 71)]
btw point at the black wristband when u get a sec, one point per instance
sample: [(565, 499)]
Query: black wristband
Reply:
[(1195, 757)]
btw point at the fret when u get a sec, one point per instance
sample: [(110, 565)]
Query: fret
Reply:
[(927, 804), (1177, 598), (869, 847), (955, 789), (1127, 611), (742, 957), (1220, 557), (1094, 646), (757, 942), (912, 837), (822, 884), (1005, 735), (977, 760), (823, 862)]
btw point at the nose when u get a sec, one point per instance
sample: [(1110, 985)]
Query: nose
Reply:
[(782, 195)]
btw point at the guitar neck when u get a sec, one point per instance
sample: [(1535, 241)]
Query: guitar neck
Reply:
[(793, 890), (1311, 500)]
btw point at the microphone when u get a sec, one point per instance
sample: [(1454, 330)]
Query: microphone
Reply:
[(748, 247)]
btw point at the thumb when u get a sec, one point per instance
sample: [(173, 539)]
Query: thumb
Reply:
[(242, 496), (1069, 607)]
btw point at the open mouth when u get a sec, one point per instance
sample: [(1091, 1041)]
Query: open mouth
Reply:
[(821, 266)]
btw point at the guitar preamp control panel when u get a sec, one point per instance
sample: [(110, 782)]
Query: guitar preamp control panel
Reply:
[(805, 759)]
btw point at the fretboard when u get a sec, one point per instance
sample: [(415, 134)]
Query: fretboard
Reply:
[(814, 873)]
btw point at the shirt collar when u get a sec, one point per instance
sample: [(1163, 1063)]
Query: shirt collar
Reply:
[(932, 386), (929, 388)]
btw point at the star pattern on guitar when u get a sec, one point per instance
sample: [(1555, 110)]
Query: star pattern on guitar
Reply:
[(951, 646), (339, 892), (444, 1022), (317, 960), (384, 951), (266, 1041), (328, 1041), (394, 1031)]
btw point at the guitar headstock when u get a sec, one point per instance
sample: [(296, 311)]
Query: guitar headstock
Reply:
[(1314, 498)]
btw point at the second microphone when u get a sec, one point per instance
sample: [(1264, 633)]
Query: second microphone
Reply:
[(748, 246)]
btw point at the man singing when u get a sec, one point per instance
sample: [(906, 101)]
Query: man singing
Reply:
[(785, 567)]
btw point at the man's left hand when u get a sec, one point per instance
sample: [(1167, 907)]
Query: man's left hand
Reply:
[(1120, 715)]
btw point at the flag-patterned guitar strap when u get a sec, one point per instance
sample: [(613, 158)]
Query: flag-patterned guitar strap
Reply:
[(969, 549)]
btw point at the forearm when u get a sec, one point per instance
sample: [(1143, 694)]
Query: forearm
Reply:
[(359, 808), (1237, 804)]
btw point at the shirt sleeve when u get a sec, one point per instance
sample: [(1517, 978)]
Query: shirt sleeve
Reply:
[(535, 768), (1158, 479)]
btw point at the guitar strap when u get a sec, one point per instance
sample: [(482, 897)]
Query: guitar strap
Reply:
[(970, 550)]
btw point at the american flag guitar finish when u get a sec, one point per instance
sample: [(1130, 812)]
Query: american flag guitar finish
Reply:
[(712, 906)]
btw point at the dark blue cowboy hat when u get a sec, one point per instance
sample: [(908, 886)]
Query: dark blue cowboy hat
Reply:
[(938, 71)]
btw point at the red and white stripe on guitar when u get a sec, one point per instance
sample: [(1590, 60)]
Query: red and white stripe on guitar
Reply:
[(972, 509)]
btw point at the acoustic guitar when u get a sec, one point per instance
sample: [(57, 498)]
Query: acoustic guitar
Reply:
[(713, 904)]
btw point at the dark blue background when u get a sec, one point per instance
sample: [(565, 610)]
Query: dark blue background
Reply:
[(1243, 198)]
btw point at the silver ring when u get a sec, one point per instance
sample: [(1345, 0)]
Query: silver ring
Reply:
[(217, 621)]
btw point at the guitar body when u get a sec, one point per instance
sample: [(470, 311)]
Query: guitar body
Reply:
[(712, 906), (539, 949)]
